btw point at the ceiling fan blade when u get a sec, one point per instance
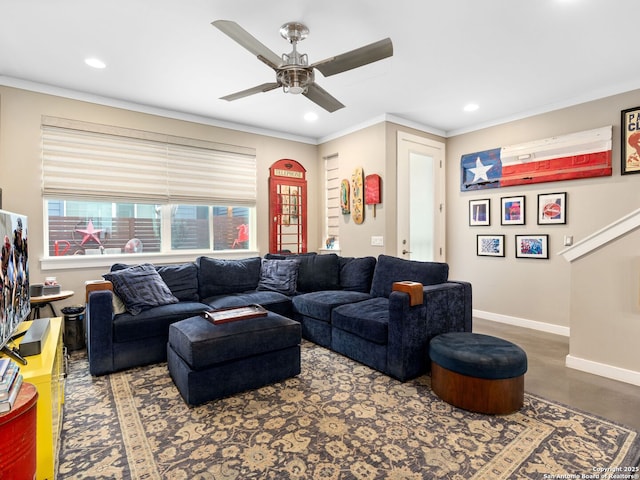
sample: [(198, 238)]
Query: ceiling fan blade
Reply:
[(320, 96), (355, 58), (265, 87), (248, 41)]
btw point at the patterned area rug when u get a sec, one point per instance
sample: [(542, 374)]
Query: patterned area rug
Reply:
[(336, 420)]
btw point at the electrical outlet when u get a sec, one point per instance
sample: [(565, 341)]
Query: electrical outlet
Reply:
[(377, 241)]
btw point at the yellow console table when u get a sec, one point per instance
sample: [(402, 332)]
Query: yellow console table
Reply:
[(46, 372)]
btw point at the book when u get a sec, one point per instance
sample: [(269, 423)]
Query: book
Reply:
[(7, 404), (225, 315), (7, 380), (4, 364)]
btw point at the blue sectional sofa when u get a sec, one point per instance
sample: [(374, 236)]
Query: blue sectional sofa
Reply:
[(345, 304)]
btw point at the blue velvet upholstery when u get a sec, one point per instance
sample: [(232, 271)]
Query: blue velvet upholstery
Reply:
[(209, 361), (352, 311), (153, 322), (140, 287), (182, 279), (316, 272), (356, 273), (368, 319), (217, 277), (272, 301), (278, 276), (393, 269), (320, 304), (479, 356)]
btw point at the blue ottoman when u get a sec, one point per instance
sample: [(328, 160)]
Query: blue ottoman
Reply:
[(209, 361), (478, 372)]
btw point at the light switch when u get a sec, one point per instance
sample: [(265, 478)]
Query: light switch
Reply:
[(377, 241)]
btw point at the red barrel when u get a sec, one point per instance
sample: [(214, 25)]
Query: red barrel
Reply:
[(18, 437)]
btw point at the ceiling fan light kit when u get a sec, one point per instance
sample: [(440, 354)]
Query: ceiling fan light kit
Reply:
[(293, 72)]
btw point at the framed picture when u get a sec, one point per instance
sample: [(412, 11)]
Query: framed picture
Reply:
[(552, 208), (512, 211), (630, 145), (479, 212), (532, 246), (490, 245)]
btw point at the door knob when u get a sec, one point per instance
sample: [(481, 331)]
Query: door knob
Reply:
[(404, 252)]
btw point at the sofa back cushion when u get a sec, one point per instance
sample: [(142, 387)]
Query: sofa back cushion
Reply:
[(392, 269), (356, 273), (315, 272), (182, 279), (218, 277)]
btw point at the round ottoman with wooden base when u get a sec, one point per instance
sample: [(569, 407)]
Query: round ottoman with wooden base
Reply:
[(478, 372)]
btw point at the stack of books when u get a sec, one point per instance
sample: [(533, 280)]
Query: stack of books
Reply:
[(10, 383)]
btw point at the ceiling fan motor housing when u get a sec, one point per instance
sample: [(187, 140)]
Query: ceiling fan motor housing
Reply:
[(295, 79)]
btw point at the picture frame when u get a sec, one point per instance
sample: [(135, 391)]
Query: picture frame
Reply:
[(490, 245), (512, 210), (630, 142), (479, 212), (532, 246), (552, 208)]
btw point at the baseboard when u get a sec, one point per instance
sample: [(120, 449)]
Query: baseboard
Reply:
[(603, 370), (523, 322)]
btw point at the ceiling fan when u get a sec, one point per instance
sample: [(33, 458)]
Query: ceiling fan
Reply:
[(293, 72)]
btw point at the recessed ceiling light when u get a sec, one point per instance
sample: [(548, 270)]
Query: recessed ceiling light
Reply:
[(95, 63), (311, 116), (471, 107)]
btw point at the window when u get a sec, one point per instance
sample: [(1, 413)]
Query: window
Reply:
[(332, 200), (110, 191)]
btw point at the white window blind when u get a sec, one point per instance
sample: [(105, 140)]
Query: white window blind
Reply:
[(332, 185), (86, 160)]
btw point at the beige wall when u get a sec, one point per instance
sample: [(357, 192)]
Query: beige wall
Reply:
[(527, 291), (20, 166), (537, 293), (605, 308), (375, 150)]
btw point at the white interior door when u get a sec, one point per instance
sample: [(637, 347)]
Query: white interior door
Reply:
[(421, 194)]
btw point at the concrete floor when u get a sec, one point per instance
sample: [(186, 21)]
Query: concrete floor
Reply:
[(548, 377)]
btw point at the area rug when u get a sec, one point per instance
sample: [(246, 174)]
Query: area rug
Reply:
[(336, 420)]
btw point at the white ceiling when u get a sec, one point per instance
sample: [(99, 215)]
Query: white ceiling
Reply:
[(514, 58)]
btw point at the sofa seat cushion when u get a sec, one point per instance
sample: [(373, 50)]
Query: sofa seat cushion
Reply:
[(368, 319), (319, 305), (202, 344), (392, 269), (154, 321), (274, 301)]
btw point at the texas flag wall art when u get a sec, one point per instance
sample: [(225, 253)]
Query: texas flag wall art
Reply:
[(568, 157)]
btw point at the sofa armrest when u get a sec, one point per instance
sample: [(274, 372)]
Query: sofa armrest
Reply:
[(446, 307), (408, 342), (99, 316)]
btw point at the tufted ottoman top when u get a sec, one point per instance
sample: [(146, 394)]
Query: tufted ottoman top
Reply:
[(477, 355)]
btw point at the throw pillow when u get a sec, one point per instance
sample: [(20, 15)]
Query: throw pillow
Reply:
[(279, 276), (140, 287)]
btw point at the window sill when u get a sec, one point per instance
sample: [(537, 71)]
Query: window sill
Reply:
[(96, 261)]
